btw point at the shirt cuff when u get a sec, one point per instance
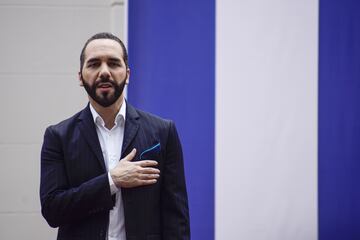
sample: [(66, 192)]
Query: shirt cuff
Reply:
[(113, 187)]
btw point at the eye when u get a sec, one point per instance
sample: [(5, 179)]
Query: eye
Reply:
[(114, 64), (92, 65)]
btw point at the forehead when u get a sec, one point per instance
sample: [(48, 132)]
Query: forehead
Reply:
[(99, 48)]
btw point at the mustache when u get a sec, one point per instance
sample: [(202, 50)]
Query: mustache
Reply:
[(105, 81)]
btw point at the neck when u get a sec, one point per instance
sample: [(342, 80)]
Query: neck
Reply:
[(109, 113)]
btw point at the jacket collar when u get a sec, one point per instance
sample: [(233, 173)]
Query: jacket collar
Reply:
[(131, 128), (88, 129)]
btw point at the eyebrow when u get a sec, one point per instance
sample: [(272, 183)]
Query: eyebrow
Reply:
[(92, 60), (111, 59), (114, 59)]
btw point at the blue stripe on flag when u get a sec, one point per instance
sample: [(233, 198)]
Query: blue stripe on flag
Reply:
[(339, 120), (172, 60)]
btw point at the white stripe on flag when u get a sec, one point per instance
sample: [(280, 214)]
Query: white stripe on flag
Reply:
[(266, 120)]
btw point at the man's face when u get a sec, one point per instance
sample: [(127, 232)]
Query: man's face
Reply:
[(104, 73)]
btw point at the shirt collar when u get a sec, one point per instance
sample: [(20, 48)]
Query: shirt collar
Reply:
[(119, 116)]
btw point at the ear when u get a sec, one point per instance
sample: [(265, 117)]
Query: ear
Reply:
[(128, 76), (80, 79)]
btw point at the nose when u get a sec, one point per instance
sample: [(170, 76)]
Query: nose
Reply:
[(104, 71)]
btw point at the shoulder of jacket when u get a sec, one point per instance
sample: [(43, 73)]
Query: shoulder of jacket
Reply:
[(150, 117)]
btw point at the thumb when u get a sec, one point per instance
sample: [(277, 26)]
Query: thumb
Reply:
[(130, 156)]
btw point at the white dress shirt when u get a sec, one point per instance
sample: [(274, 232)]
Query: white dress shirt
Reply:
[(111, 145)]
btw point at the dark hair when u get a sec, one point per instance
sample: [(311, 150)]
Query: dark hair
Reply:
[(104, 35)]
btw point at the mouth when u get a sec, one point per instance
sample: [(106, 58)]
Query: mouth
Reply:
[(105, 86)]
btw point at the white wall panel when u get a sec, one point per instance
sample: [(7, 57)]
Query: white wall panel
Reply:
[(20, 172), (266, 119), (17, 226), (56, 3), (47, 40), (40, 46), (30, 103)]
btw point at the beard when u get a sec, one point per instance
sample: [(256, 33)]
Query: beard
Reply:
[(105, 99)]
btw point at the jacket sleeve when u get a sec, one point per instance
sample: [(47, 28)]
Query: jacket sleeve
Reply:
[(174, 205), (61, 204)]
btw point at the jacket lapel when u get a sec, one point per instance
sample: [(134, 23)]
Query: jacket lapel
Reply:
[(88, 129), (131, 128)]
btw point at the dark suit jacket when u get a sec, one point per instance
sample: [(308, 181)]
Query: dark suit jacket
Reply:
[(74, 189)]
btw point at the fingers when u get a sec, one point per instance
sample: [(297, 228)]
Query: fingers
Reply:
[(143, 163), (147, 163), (147, 182), (139, 182), (149, 176), (148, 170), (130, 173), (130, 156)]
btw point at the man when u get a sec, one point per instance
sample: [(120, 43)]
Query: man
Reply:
[(112, 171)]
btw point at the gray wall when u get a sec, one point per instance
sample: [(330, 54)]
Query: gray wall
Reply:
[(40, 45)]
